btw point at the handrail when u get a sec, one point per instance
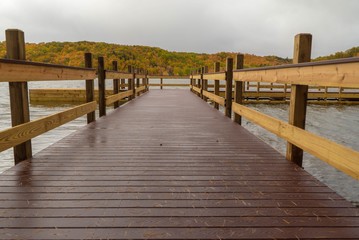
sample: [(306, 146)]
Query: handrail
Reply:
[(23, 71), (340, 157), (24, 132), (341, 73), (337, 73), (18, 72)]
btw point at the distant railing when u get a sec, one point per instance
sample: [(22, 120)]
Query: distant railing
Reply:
[(341, 73), (17, 72)]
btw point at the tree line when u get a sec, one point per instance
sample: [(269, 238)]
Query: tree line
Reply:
[(154, 59)]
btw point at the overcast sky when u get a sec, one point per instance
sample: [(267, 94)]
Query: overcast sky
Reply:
[(261, 27)]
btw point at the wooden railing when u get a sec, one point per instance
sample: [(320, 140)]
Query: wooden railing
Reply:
[(18, 72), (341, 73)]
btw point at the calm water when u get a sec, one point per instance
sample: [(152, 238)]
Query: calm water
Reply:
[(339, 123)]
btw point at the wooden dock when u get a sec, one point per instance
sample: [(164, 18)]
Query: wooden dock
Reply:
[(167, 165)]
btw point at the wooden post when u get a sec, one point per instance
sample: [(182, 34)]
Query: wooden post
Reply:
[(202, 83), (101, 74), (229, 84), (217, 66), (90, 87), (123, 83), (161, 82), (146, 81), (238, 88), (19, 94), (133, 83), (205, 83), (299, 95), (138, 81), (115, 85), (199, 81), (129, 81)]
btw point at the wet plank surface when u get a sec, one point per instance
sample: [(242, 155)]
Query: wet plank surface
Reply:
[(167, 166)]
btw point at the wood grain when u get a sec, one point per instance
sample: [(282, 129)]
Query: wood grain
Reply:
[(20, 71), (331, 75), (220, 100), (21, 133), (116, 97), (340, 157)]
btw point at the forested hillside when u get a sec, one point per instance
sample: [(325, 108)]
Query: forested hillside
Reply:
[(155, 60)]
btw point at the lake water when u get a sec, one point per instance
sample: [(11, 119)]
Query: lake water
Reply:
[(339, 123)]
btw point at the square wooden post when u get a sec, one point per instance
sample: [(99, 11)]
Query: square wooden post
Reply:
[(90, 88), (101, 74), (299, 95), (19, 94), (133, 82), (238, 88), (229, 85), (216, 83), (115, 84), (129, 81), (205, 83)]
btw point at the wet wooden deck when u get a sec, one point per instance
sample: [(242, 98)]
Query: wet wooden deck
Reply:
[(167, 166)]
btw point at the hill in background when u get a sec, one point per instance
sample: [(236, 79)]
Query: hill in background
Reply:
[(155, 60)]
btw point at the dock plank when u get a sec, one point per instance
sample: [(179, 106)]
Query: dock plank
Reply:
[(168, 166)]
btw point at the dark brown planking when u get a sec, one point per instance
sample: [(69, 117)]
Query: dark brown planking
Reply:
[(180, 170)]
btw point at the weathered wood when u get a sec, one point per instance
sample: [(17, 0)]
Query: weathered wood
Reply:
[(116, 97), (62, 95), (197, 90), (101, 73), (238, 88), (299, 95), (334, 73), (129, 80), (137, 84), (197, 76), (140, 89), (340, 157), (217, 66), (117, 75), (90, 88), (116, 88), (141, 182), (161, 83), (229, 84), (215, 76), (24, 132), (217, 99), (21, 71), (19, 99), (205, 82)]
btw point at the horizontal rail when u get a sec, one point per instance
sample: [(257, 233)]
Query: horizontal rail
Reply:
[(198, 76), (168, 85), (24, 132), (22, 71), (167, 77), (196, 89), (117, 97), (220, 100), (140, 76), (338, 73), (215, 76), (118, 75), (340, 157), (140, 89)]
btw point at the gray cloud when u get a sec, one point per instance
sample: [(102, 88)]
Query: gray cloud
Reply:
[(261, 27)]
